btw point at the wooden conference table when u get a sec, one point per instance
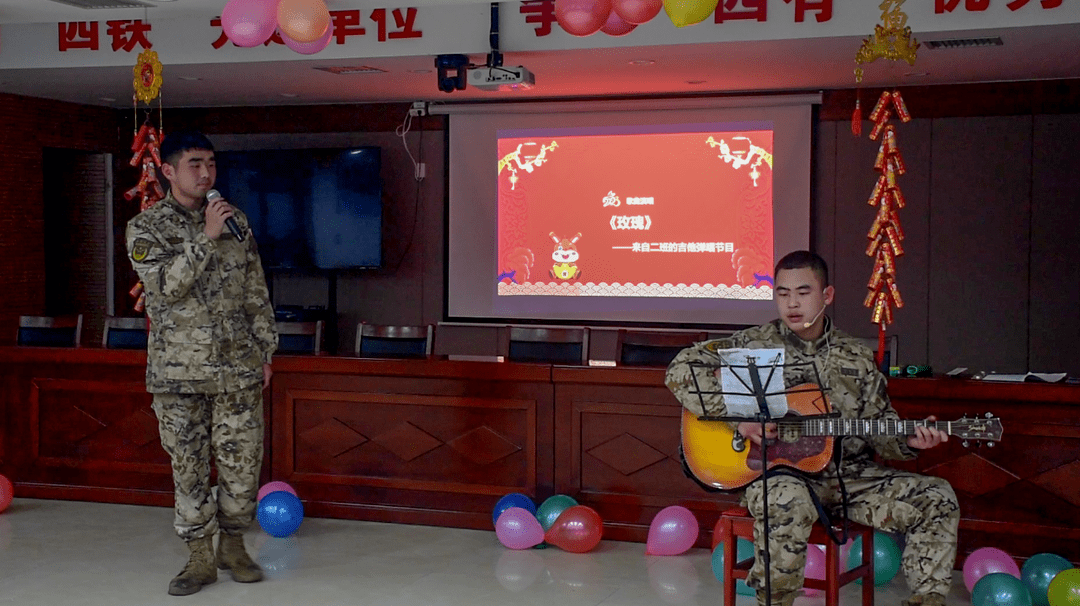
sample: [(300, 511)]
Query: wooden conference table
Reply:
[(438, 442)]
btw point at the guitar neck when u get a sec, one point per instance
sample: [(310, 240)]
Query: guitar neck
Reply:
[(864, 427)]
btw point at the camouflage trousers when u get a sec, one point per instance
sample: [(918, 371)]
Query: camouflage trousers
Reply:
[(228, 426), (923, 508)]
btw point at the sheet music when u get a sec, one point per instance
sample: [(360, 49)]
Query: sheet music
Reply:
[(735, 379)]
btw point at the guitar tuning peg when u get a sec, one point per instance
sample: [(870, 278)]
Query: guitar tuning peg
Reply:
[(989, 415), (965, 444), (990, 444)]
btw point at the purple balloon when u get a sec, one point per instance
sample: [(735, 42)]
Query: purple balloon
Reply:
[(274, 487), (517, 528), (986, 560), (308, 48), (673, 530), (249, 22)]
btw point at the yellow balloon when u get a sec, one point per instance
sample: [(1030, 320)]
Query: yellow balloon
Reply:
[(303, 20), (689, 12)]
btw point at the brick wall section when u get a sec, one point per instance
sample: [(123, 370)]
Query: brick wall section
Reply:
[(27, 126)]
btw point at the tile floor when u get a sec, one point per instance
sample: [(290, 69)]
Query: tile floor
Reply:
[(60, 553)]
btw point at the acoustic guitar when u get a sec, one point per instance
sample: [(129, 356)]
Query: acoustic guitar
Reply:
[(721, 458)]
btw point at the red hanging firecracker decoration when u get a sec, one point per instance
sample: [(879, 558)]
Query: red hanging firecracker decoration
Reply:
[(145, 146), (885, 235)]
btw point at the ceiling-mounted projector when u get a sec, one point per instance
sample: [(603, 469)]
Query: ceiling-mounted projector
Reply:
[(501, 78)]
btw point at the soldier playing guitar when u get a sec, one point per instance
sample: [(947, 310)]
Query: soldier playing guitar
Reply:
[(924, 508)]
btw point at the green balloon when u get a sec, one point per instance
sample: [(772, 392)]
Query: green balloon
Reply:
[(1000, 589), (552, 508), (1037, 573), (1064, 590), (886, 558), (743, 549)]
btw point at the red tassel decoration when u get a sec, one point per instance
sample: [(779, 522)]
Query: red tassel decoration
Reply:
[(880, 356), (856, 119)]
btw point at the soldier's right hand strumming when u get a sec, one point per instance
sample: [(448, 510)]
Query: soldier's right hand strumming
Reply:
[(752, 431), (216, 213)]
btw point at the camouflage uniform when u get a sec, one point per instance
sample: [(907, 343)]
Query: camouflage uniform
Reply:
[(211, 330), (923, 508)]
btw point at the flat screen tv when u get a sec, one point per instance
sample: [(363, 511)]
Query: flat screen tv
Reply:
[(308, 208)]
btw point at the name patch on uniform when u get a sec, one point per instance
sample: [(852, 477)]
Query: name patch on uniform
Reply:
[(140, 249), (849, 372)]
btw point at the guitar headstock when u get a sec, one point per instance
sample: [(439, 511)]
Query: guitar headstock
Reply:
[(980, 429)]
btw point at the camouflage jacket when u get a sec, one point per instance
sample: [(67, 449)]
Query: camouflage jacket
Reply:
[(211, 323), (853, 384)]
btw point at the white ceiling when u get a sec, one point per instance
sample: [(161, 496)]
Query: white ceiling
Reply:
[(1028, 53)]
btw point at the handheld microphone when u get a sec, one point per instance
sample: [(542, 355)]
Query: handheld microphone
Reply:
[(811, 322), (214, 194)]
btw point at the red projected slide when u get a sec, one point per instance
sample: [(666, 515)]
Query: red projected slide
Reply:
[(679, 214)]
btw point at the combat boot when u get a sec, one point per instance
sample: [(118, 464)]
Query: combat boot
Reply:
[(199, 570), (231, 555), (930, 599), (786, 599)]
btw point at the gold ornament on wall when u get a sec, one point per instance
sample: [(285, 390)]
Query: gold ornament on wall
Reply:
[(147, 80), (892, 39)]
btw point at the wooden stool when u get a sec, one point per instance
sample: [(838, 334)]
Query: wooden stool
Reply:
[(737, 523)]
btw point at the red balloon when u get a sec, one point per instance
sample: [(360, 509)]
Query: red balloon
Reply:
[(582, 17), (578, 529), (615, 26), (637, 11)]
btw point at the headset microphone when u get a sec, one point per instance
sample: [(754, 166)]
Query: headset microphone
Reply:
[(811, 322)]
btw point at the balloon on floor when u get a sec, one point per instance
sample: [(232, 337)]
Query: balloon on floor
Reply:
[(274, 487), (1000, 589), (514, 499), (578, 529), (280, 513), (986, 560), (673, 530), (886, 558), (1037, 573), (743, 549), (518, 528), (1064, 590), (552, 508)]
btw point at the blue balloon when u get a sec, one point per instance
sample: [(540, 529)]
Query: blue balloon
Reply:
[(514, 499), (1000, 589), (1037, 573), (743, 549), (280, 513)]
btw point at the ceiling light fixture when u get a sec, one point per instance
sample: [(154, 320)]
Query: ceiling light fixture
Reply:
[(642, 61), (186, 78), (289, 95)]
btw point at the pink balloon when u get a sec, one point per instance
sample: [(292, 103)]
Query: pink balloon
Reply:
[(274, 487), (673, 530), (615, 26), (308, 48), (637, 11), (249, 22), (582, 17), (986, 560), (517, 528), (815, 566)]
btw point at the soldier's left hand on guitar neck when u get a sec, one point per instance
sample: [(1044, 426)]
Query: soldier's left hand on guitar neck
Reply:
[(927, 437)]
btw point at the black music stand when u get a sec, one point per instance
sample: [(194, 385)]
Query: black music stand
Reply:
[(757, 390)]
